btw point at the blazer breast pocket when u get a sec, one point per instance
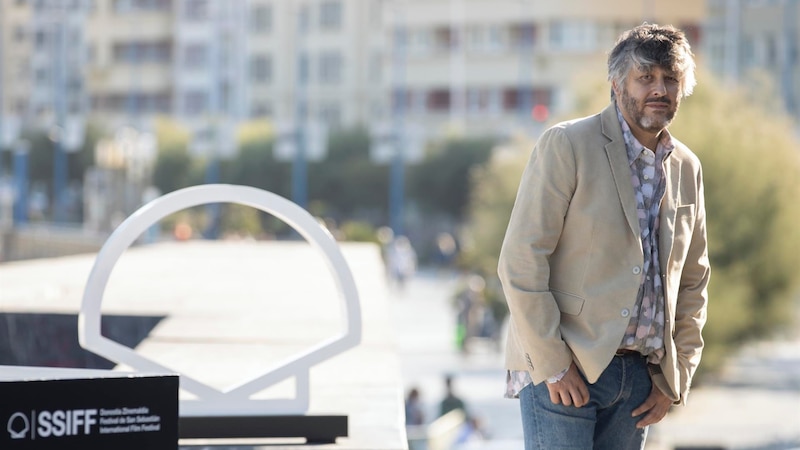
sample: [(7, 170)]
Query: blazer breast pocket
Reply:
[(682, 231)]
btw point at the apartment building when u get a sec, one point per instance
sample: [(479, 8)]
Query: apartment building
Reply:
[(43, 67), (479, 65), (212, 64), (496, 65), (748, 37)]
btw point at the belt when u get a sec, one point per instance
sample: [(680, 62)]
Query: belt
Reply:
[(626, 352)]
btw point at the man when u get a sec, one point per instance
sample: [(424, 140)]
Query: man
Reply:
[(604, 264)]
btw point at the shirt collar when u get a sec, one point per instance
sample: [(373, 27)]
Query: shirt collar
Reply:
[(635, 148)]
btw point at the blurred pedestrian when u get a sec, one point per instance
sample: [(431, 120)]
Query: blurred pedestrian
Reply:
[(605, 261), (446, 249), (415, 419), (450, 401), (414, 414), (470, 311), (402, 260)]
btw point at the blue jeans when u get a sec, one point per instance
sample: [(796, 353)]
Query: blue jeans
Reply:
[(604, 423)]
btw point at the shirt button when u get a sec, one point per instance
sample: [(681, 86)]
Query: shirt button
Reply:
[(637, 270), (625, 312)]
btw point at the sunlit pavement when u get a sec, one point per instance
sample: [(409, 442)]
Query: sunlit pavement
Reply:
[(754, 403), (424, 318)]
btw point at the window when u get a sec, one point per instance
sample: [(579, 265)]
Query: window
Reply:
[(439, 100), (573, 35), (417, 101), (261, 109), (495, 38), (261, 69), (261, 19), (330, 67), (195, 56), (41, 39), (331, 115), (129, 6), (195, 10), (20, 106), (477, 100), (137, 52), (421, 41), (195, 103), (444, 39), (127, 52), (123, 6), (303, 19), (19, 34), (330, 15), (401, 100), (303, 70), (524, 35), (42, 76), (515, 98)]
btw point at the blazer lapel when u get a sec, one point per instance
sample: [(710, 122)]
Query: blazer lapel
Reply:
[(620, 168)]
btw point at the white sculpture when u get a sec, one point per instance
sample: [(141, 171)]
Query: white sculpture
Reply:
[(235, 400)]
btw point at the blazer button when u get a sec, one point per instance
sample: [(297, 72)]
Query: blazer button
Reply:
[(637, 270), (625, 312)]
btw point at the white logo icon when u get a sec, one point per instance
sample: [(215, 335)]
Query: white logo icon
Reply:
[(235, 399), (18, 426)]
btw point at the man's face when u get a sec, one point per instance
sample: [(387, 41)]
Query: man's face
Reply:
[(649, 99)]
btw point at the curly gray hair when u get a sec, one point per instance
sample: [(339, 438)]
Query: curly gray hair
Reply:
[(649, 45)]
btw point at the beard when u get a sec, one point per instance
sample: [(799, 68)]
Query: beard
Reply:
[(649, 122)]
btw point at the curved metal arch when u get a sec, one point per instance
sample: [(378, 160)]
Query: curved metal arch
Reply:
[(236, 399)]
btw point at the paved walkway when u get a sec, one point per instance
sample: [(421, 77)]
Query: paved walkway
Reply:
[(753, 405), (233, 310)]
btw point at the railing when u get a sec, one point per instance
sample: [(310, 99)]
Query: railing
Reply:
[(48, 241)]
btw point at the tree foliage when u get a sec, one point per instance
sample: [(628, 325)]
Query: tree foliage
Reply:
[(347, 184), (441, 183), (751, 161), (173, 164)]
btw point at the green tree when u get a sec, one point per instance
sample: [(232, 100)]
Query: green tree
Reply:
[(751, 162), (494, 188), (41, 159), (255, 164), (347, 184), (173, 165), (441, 182)]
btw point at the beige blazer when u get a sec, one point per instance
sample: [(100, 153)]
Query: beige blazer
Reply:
[(571, 259)]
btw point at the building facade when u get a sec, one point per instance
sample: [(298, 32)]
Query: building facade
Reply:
[(492, 65), (746, 38), (484, 66)]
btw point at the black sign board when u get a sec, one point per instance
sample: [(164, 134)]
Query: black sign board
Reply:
[(115, 412)]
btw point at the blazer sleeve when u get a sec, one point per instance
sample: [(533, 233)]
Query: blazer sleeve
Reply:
[(692, 301), (543, 198)]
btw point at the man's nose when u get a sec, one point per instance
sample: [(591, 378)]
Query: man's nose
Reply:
[(659, 88)]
